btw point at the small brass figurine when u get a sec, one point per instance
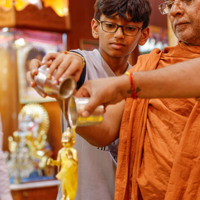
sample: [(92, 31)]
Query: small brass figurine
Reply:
[(67, 163)]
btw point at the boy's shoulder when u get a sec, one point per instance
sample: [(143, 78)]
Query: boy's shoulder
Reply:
[(86, 53)]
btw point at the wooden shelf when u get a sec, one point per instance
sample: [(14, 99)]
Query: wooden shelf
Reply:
[(35, 190)]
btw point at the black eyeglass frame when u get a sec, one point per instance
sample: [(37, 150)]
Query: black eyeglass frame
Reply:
[(119, 26)]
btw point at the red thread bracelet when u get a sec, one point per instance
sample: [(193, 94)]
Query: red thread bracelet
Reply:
[(132, 82)]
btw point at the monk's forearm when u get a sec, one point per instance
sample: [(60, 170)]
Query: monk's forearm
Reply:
[(177, 81)]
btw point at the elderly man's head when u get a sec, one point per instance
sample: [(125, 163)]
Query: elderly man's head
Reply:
[(184, 16)]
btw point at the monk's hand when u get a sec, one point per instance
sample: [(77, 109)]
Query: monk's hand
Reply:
[(101, 92)]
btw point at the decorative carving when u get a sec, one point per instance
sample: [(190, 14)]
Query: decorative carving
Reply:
[(41, 19), (7, 17), (32, 17)]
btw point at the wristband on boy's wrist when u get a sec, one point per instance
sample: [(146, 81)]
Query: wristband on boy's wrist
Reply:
[(77, 54), (132, 82)]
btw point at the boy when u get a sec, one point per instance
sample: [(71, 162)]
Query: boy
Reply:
[(119, 25)]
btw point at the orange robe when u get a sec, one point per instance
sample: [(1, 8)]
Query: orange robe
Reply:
[(159, 148)]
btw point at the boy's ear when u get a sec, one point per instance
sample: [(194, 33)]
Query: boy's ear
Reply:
[(144, 37), (94, 25)]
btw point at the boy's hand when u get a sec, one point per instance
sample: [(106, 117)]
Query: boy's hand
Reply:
[(60, 65), (34, 65), (64, 65)]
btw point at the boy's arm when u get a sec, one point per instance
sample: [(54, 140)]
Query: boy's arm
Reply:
[(103, 134)]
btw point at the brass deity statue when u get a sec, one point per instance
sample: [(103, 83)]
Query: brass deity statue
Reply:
[(67, 163), (27, 146)]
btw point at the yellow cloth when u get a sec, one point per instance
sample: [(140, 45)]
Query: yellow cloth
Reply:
[(159, 148)]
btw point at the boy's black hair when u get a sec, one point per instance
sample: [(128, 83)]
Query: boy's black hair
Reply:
[(137, 10)]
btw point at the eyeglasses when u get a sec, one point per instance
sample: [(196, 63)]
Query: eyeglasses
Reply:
[(110, 27), (166, 6)]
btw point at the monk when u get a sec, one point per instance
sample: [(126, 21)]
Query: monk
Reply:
[(159, 140)]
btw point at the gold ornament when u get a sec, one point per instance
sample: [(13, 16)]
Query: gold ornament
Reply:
[(34, 119), (67, 163)]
